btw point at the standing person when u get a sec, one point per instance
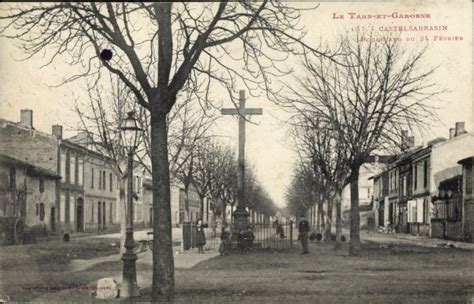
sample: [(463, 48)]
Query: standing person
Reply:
[(224, 247), (200, 236), (303, 229), (279, 230)]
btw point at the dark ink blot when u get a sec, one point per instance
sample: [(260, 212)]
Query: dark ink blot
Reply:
[(106, 54)]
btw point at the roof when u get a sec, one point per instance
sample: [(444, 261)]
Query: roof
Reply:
[(406, 157), (31, 170), (466, 161), (62, 142)]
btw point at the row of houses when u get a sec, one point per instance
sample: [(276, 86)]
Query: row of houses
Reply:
[(57, 184), (427, 190)]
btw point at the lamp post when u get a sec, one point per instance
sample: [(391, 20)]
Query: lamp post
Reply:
[(129, 132)]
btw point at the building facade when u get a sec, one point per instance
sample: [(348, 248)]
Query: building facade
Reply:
[(428, 188), (467, 228), (76, 202), (27, 192), (446, 180)]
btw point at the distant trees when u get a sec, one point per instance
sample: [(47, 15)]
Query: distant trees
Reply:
[(324, 163), (106, 105), (214, 175), (361, 104)]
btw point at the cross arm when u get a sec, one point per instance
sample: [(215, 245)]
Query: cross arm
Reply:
[(249, 111)]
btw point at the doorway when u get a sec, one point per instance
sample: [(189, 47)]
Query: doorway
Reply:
[(104, 215), (381, 214), (99, 215), (80, 215), (52, 219)]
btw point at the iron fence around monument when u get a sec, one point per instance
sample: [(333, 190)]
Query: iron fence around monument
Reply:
[(268, 235)]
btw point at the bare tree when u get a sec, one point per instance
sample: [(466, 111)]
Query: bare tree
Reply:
[(325, 155), (214, 170), (99, 117), (159, 49), (103, 111), (378, 90)]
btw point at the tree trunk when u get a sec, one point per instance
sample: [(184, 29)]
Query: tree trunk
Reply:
[(338, 221), (354, 243), (224, 215), (163, 262), (327, 233), (321, 216), (201, 207), (186, 204)]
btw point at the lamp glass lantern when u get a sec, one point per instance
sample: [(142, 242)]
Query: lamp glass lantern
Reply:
[(130, 132)]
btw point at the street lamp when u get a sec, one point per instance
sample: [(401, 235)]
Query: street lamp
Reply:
[(130, 132)]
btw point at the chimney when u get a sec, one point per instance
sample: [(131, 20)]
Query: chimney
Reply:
[(57, 130), (452, 133), (460, 128), (404, 139), (411, 141), (26, 118)]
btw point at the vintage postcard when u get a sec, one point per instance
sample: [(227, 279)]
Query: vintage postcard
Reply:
[(241, 151)]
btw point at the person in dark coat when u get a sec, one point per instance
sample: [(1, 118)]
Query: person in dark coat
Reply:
[(246, 238), (224, 247), (303, 230), (200, 236)]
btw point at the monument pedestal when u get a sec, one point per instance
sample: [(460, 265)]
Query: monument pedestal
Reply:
[(240, 219)]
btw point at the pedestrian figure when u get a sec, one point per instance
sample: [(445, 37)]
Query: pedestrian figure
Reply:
[(224, 247), (279, 230), (200, 236), (303, 229), (246, 238)]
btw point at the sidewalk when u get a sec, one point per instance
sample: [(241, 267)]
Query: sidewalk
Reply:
[(408, 239), (182, 260)]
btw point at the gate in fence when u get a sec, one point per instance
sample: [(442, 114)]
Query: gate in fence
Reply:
[(274, 235)]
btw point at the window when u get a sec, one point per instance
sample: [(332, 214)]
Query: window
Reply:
[(12, 179), (426, 209), (80, 171), (448, 209), (468, 174), (425, 174), (41, 212), (71, 208), (41, 185), (110, 213), (100, 179), (404, 189), (415, 178), (137, 187), (368, 192), (92, 211), (111, 182), (62, 208), (63, 166), (92, 177), (72, 168), (103, 180), (391, 180)]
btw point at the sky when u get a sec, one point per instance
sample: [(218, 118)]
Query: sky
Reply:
[(25, 85)]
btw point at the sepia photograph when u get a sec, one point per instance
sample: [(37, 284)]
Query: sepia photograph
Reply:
[(259, 151)]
